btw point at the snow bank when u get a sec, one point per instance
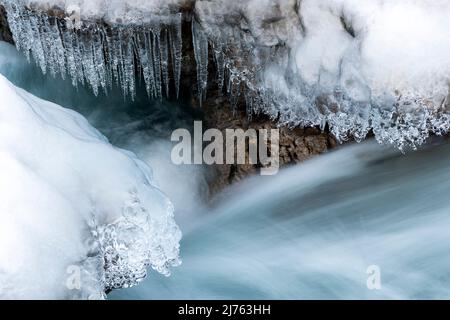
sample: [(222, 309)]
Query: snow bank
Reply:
[(78, 216)]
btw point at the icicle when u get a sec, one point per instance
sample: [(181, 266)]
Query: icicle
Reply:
[(35, 42), (78, 59), (39, 26), (129, 83), (164, 50), (120, 56), (104, 47), (111, 41), (61, 54), (200, 42), (151, 67), (145, 56), (99, 59), (220, 65), (176, 48), (52, 45), (72, 66), (19, 26), (89, 64), (156, 62), (98, 55)]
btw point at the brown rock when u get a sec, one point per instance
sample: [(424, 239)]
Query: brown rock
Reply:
[(5, 32)]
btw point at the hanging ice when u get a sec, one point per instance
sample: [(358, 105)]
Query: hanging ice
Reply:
[(200, 42), (99, 53), (356, 66)]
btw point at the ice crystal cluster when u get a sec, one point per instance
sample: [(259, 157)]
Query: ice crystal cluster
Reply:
[(79, 216), (136, 241), (354, 66)]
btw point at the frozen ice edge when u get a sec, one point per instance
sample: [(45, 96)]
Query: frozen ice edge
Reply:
[(79, 217)]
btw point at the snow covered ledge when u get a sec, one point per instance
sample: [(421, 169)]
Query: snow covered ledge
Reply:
[(352, 66), (79, 217)]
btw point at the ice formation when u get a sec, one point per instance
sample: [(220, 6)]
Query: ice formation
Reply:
[(356, 66), (79, 216), (353, 65), (101, 50)]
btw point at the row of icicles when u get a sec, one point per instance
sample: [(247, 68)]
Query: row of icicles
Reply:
[(99, 55)]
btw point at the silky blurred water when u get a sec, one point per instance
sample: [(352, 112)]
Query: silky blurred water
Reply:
[(313, 230)]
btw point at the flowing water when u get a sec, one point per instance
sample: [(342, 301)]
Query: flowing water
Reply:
[(315, 229)]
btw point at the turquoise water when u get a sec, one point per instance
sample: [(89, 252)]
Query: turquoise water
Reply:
[(313, 231)]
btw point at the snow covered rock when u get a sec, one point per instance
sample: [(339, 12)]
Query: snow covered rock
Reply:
[(352, 65), (78, 216)]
